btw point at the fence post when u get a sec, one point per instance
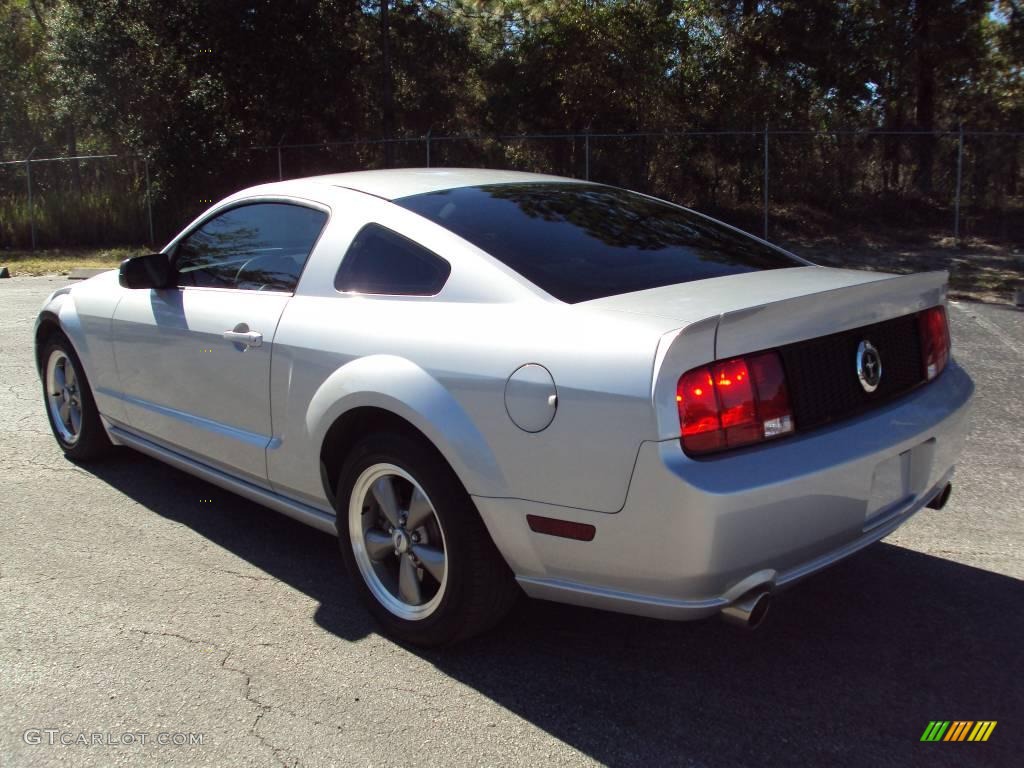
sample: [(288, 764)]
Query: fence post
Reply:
[(426, 139), (149, 203), (586, 154), (959, 174), (765, 184), (31, 212)]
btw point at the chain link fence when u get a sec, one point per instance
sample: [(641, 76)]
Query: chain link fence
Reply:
[(69, 201), (784, 185)]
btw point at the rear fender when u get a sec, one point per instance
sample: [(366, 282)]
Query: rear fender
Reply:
[(397, 385)]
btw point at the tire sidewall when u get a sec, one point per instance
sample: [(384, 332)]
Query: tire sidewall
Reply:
[(92, 439), (451, 504)]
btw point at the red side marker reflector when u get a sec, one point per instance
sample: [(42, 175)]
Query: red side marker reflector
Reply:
[(564, 528)]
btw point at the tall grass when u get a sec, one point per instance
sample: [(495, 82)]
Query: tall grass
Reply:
[(90, 217)]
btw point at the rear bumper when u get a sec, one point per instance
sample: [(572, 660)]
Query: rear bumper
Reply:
[(695, 536)]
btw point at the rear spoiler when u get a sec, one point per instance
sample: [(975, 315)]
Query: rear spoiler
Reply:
[(818, 314)]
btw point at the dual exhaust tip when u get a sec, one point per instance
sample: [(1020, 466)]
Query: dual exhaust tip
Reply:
[(939, 500), (749, 611)]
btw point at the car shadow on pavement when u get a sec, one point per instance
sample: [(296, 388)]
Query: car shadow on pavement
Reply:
[(848, 670)]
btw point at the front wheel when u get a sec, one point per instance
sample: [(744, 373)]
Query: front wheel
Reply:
[(414, 544), (70, 406)]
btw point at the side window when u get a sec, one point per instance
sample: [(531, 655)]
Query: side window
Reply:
[(382, 261), (258, 247)]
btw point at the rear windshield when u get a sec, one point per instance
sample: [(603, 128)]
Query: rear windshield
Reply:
[(587, 241)]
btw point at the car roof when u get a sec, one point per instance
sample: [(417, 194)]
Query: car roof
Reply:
[(394, 183)]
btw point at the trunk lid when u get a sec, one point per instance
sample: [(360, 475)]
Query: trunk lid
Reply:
[(780, 309)]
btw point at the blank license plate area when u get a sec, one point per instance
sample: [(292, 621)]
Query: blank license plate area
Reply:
[(899, 479)]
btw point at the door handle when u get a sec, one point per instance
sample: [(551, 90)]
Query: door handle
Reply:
[(248, 338)]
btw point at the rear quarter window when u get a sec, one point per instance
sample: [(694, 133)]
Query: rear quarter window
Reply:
[(381, 261), (586, 241)]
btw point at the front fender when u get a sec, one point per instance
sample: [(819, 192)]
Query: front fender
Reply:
[(60, 308), (84, 313), (397, 385)]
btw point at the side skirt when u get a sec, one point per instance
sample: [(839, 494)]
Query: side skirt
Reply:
[(301, 512)]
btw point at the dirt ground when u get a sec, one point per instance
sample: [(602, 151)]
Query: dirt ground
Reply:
[(60, 261), (978, 270)]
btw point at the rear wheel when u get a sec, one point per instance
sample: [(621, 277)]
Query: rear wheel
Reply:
[(70, 406), (415, 546)]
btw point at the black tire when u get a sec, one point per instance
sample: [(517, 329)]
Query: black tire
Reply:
[(91, 442), (480, 588)]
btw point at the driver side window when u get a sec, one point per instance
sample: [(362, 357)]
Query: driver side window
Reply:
[(259, 247)]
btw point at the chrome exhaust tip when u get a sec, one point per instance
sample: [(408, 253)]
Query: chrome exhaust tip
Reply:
[(939, 499), (749, 611)]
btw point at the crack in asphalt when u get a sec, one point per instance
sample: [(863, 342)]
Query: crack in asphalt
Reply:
[(263, 707), (250, 577), (17, 391), (30, 462)]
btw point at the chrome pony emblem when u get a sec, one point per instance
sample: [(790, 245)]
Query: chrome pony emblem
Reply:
[(869, 366)]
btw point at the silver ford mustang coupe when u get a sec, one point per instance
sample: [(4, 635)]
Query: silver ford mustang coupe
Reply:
[(488, 382)]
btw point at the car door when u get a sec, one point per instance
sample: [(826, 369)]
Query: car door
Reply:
[(193, 361)]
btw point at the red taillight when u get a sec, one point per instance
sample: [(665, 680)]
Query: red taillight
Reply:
[(735, 393), (699, 412), (733, 403), (934, 341)]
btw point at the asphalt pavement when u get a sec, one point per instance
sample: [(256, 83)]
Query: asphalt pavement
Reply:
[(161, 620)]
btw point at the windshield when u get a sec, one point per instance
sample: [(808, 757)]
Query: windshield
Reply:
[(586, 241)]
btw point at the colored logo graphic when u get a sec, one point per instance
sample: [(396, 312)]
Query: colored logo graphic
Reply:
[(958, 730)]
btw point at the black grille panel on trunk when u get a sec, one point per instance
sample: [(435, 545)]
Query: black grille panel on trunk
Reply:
[(822, 372)]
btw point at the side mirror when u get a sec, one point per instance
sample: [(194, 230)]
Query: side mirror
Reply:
[(150, 271)]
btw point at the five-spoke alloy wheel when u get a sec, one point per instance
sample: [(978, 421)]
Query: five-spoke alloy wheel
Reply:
[(70, 407), (414, 545), (64, 399), (398, 541)]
